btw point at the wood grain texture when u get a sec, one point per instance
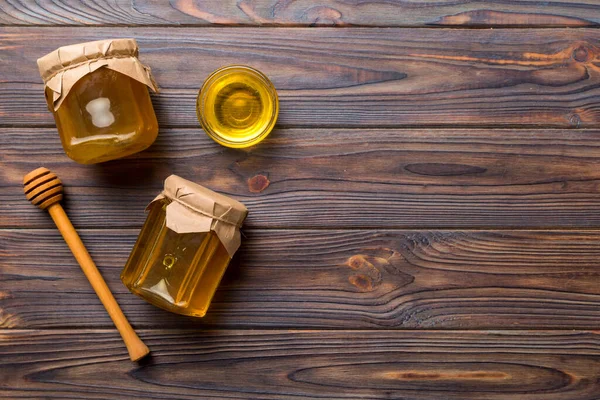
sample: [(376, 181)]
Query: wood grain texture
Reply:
[(517, 365), (358, 220), (331, 178), (327, 279), (347, 77), (551, 13)]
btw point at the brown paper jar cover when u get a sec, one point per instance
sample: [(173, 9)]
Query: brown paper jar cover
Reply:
[(189, 237), (194, 208), (65, 66)]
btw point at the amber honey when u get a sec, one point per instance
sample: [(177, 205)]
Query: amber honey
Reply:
[(106, 115), (237, 106), (177, 272)]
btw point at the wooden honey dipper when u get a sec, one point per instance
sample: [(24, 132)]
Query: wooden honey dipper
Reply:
[(45, 190)]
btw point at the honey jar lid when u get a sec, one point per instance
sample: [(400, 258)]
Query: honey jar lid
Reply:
[(65, 66), (194, 208)]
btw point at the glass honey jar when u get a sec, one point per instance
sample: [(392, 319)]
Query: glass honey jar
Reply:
[(190, 235), (98, 93), (237, 106)]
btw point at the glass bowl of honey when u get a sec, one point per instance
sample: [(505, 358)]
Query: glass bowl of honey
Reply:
[(237, 106)]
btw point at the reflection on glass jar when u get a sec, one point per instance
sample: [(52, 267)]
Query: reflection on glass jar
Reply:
[(106, 115)]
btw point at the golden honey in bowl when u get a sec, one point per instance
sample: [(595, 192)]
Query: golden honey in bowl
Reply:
[(237, 106)]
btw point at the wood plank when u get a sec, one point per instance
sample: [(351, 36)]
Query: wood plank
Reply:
[(328, 279), (489, 13), (331, 178), (347, 77), (519, 365)]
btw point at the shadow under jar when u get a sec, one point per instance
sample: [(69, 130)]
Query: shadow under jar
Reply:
[(98, 93), (189, 237)]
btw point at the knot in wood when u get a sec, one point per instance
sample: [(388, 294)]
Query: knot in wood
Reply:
[(581, 54), (258, 183)]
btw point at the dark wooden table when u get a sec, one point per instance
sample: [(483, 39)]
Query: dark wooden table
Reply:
[(423, 220)]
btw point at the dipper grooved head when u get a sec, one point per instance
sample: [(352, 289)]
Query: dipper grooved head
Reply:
[(42, 188)]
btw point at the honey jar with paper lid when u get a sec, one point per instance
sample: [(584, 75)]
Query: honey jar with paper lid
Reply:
[(189, 237), (98, 93)]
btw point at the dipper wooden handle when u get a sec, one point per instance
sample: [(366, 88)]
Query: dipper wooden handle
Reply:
[(45, 190)]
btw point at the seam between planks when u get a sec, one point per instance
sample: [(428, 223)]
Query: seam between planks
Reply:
[(304, 26), (519, 228), (284, 330), (362, 127)]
